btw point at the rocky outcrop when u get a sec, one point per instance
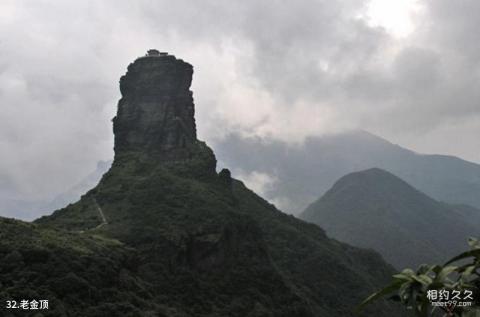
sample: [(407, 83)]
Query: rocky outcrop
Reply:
[(156, 111), (205, 245)]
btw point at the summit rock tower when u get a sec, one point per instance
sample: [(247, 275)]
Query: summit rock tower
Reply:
[(156, 111)]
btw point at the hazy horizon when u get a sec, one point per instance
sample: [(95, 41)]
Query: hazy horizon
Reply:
[(407, 72)]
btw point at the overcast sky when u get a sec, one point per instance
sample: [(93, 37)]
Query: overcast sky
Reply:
[(405, 70)]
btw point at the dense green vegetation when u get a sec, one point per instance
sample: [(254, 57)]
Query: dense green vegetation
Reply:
[(208, 246), (79, 274)]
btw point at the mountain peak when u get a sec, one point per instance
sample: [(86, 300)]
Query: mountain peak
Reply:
[(376, 209), (206, 244), (156, 111), (369, 181), (373, 172)]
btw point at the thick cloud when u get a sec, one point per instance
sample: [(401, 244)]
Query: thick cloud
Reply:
[(275, 69)]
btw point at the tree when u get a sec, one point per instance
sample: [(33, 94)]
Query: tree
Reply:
[(438, 290)]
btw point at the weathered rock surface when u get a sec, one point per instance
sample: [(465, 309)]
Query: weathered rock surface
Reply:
[(156, 111)]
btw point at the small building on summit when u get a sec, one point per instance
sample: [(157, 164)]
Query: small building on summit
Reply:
[(154, 52)]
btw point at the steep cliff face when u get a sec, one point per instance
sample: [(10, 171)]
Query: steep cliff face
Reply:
[(206, 244), (155, 121), (156, 112)]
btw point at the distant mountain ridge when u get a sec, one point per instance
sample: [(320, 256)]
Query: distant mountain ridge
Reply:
[(74, 193), (11, 205), (376, 209), (302, 173)]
